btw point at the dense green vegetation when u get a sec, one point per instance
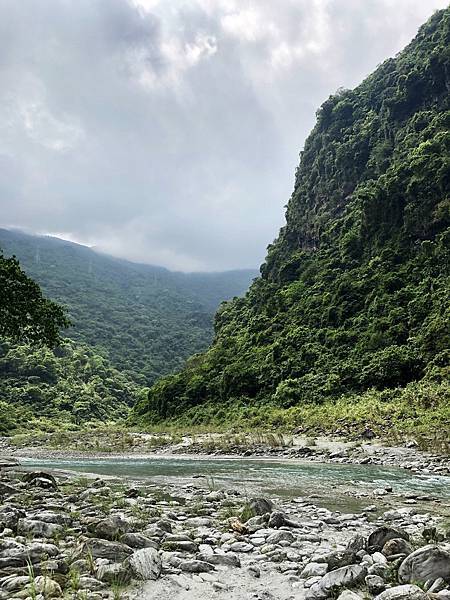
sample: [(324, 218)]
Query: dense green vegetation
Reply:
[(47, 389), (24, 313), (146, 320), (353, 302)]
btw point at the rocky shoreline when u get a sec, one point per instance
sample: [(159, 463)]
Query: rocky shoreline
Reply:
[(63, 536)]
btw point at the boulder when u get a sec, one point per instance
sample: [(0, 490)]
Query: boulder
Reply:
[(110, 528), (114, 573), (340, 558), (280, 536), (195, 566), (137, 541), (40, 529), (403, 592), (334, 581), (314, 569), (145, 564), (226, 560), (41, 479), (113, 551), (427, 563), (375, 584), (380, 536), (397, 546), (260, 506)]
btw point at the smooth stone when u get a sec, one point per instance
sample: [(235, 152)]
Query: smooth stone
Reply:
[(403, 592), (427, 563), (333, 581)]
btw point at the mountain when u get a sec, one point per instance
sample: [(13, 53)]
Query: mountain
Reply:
[(47, 390), (146, 320), (353, 300)]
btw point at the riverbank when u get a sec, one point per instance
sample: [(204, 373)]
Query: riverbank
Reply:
[(95, 538)]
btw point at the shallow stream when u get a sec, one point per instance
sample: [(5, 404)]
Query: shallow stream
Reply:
[(340, 486)]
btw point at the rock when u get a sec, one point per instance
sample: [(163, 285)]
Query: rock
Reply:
[(89, 583), (255, 523), (380, 536), (41, 479), (375, 584), (110, 528), (227, 560), (357, 543), (277, 519), (114, 573), (349, 595), (333, 581), (145, 564), (260, 506), (9, 517), (403, 592), (33, 528), (14, 583), (241, 547), (49, 516), (280, 536), (180, 545), (314, 569), (137, 541), (427, 563), (46, 586), (113, 551), (397, 546), (340, 558), (254, 571), (195, 566), (437, 586), (7, 490)]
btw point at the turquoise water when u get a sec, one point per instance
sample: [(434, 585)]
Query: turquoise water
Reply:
[(288, 478)]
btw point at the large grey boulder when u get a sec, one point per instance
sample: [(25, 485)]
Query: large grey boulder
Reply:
[(113, 551), (111, 528), (280, 536), (403, 592), (380, 536), (40, 529), (334, 581), (145, 564), (427, 563)]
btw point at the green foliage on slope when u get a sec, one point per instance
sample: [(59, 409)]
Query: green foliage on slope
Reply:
[(354, 293), (71, 385), (24, 313), (146, 320)]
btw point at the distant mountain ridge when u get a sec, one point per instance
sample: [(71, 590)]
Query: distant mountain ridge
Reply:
[(146, 319)]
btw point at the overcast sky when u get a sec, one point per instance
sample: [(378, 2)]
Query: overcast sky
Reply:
[(168, 131)]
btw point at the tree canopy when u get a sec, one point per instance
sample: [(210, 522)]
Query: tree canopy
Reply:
[(25, 314)]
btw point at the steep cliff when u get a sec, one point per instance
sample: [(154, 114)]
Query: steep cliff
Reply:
[(354, 293)]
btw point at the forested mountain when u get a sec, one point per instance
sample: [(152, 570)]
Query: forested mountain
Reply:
[(354, 293), (43, 388), (145, 319)]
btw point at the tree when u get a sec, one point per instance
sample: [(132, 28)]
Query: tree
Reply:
[(25, 315)]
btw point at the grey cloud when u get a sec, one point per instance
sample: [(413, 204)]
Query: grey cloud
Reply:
[(168, 132)]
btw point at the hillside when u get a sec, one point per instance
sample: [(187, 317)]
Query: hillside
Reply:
[(145, 319), (353, 302), (44, 389)]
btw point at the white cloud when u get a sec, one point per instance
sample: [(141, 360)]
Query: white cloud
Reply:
[(168, 131)]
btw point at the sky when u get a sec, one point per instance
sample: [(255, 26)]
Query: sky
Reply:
[(168, 131)]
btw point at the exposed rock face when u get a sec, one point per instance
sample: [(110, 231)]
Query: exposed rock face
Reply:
[(425, 564)]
